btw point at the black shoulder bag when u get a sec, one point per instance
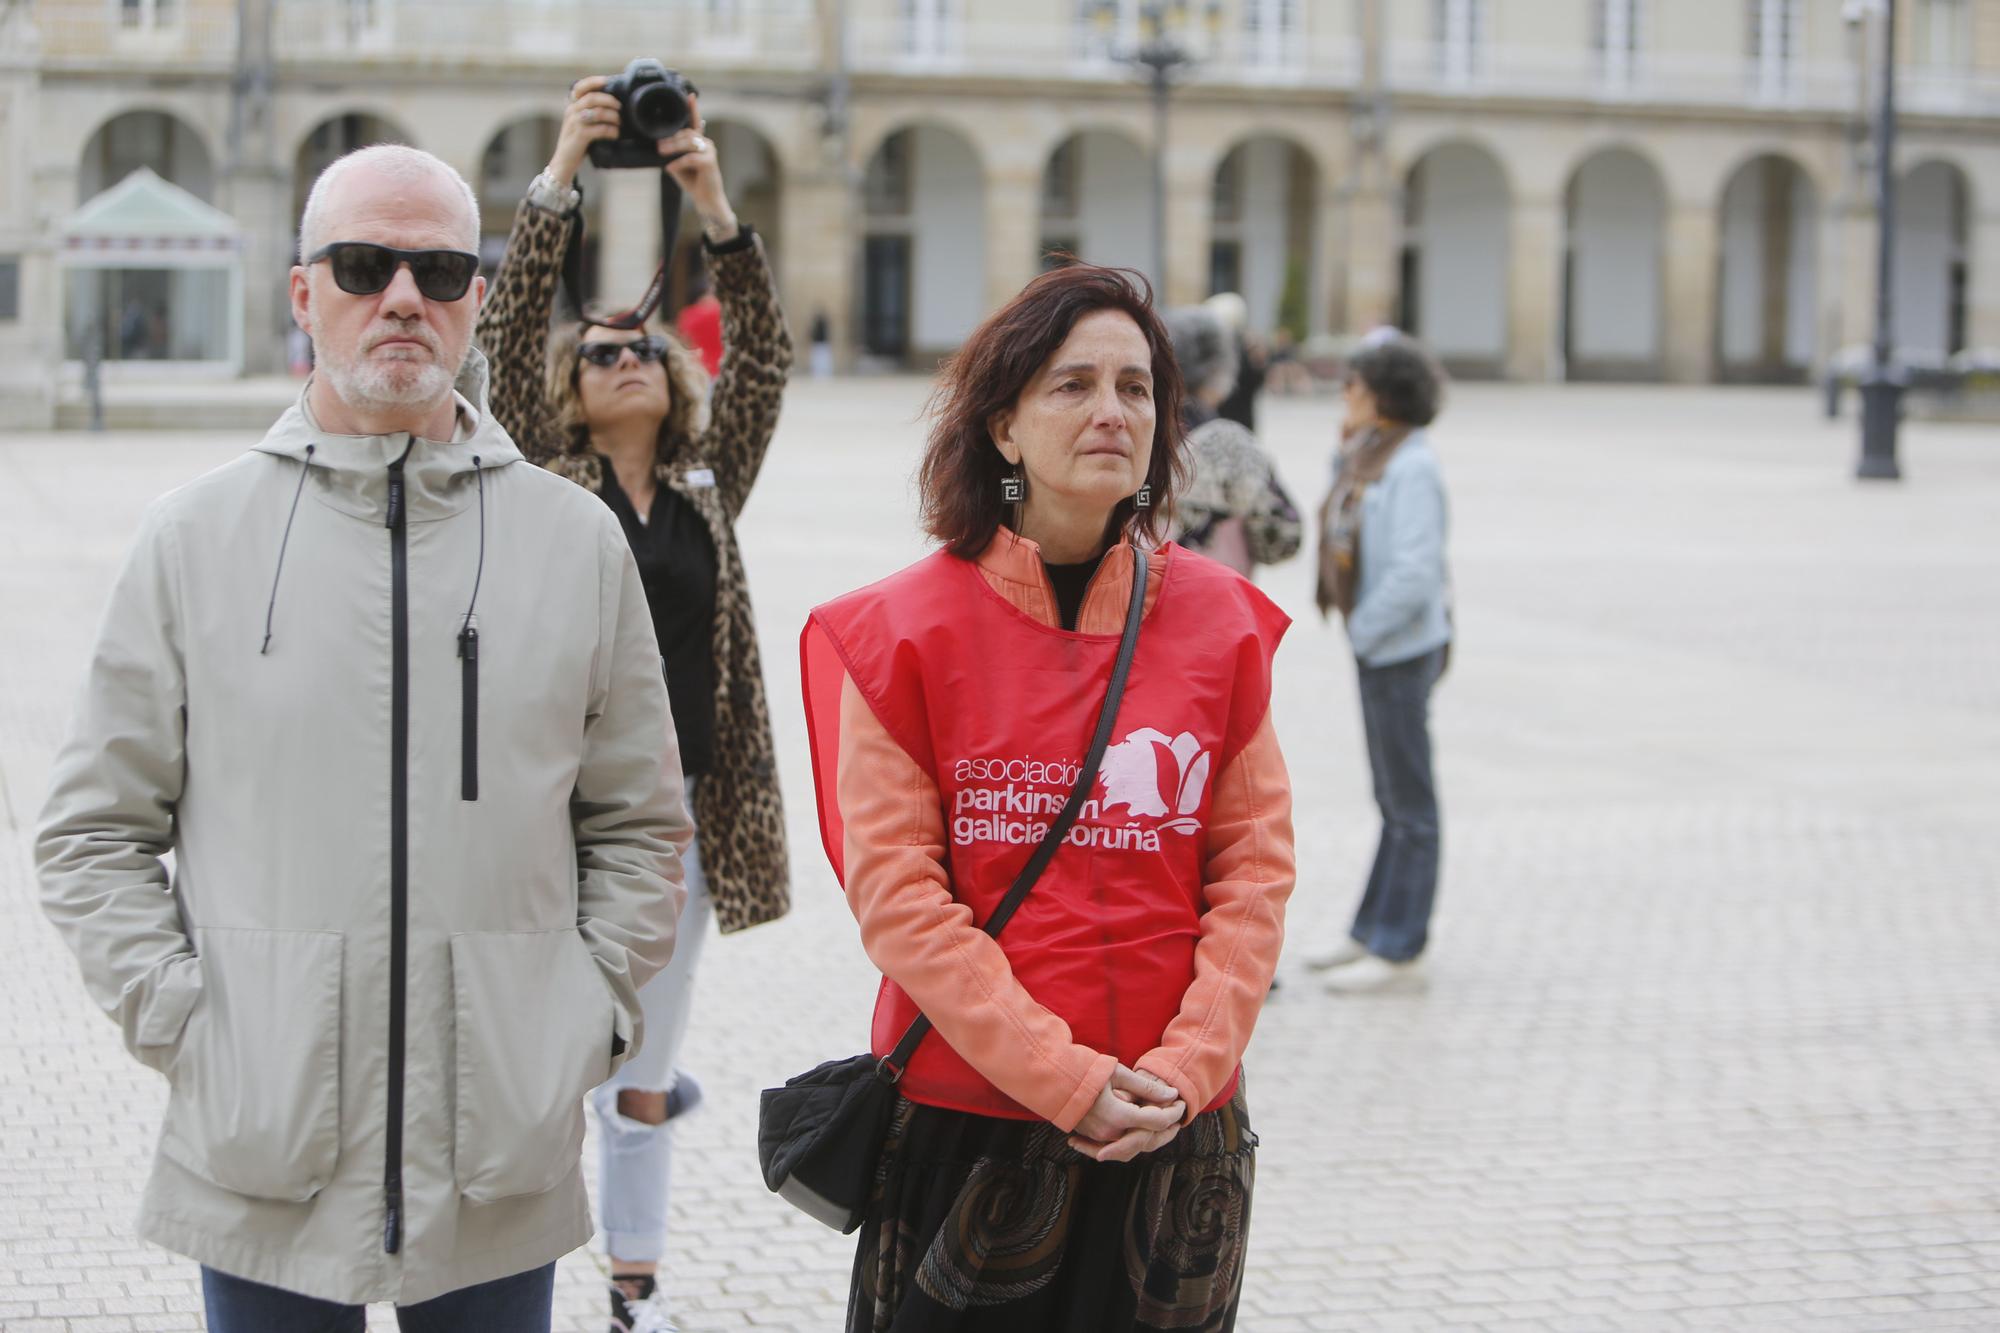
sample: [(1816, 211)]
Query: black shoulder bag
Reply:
[(820, 1136)]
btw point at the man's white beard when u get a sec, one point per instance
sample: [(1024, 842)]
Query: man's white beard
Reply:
[(370, 382)]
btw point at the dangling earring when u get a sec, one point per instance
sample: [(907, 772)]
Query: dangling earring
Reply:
[(1014, 493), (1144, 498)]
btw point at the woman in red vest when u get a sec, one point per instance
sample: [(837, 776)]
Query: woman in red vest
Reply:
[(1071, 1149)]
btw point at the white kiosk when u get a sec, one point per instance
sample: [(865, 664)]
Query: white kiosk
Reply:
[(156, 276)]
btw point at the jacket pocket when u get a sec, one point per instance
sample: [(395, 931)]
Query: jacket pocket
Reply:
[(255, 1106), (534, 1020)]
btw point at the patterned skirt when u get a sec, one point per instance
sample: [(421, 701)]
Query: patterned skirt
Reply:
[(981, 1224)]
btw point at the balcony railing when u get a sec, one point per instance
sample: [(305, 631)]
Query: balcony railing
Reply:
[(765, 34), (96, 32), (1057, 50)]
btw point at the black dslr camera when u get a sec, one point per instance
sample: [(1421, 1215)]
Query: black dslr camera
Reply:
[(653, 105)]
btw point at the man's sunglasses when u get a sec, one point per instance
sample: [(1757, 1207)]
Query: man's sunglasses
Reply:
[(361, 268), (644, 350)]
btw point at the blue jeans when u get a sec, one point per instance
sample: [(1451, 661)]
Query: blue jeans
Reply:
[(519, 1304), (1394, 919), (635, 1160)]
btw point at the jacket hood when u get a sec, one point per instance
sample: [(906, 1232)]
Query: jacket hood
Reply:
[(352, 471)]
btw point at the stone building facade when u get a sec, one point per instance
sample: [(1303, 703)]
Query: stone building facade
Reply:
[(1543, 189)]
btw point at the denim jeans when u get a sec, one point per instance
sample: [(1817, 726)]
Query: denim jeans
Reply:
[(519, 1304), (634, 1159), (1394, 919)]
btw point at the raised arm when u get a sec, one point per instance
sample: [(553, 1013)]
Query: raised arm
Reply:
[(756, 359), (513, 327), (756, 345)]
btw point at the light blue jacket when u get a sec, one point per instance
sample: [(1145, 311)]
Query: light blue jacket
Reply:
[(1402, 607)]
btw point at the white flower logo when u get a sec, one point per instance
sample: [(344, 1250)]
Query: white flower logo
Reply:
[(1143, 766)]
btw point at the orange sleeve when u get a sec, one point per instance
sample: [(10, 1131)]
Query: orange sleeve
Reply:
[(925, 941), (1249, 876)]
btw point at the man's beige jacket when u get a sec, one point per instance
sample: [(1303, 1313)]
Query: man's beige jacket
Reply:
[(420, 851)]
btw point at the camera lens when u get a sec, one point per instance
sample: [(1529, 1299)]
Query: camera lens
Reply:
[(658, 110)]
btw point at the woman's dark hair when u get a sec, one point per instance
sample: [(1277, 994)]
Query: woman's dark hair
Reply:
[(1405, 378), (959, 480)]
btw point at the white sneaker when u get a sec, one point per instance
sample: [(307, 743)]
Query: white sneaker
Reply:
[(1374, 974), (1349, 950), (650, 1315)]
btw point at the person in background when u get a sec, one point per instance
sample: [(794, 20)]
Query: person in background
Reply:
[(1240, 403), (700, 326), (1234, 509), (390, 699), (1382, 566), (1070, 1151), (620, 412), (822, 346)]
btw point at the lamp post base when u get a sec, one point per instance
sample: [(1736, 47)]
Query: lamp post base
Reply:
[(1881, 414)]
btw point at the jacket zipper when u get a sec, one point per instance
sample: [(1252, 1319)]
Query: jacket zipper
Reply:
[(399, 850), (468, 726)]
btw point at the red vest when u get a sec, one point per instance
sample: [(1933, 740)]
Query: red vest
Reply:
[(998, 710)]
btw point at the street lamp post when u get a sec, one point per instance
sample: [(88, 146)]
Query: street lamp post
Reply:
[(1162, 54), (1882, 391)]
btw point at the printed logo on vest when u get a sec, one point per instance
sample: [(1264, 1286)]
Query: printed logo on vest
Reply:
[(1152, 776), (1014, 800)]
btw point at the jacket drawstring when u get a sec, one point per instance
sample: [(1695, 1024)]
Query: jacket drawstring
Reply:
[(271, 609), (468, 657)]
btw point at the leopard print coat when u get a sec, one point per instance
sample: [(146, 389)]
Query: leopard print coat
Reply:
[(738, 814)]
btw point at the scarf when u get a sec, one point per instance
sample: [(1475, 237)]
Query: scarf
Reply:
[(1364, 455)]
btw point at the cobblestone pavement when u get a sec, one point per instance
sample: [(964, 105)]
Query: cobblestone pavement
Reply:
[(1710, 1039)]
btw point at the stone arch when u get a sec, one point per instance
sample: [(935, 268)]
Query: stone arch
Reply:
[(1614, 261), (923, 242), (1456, 213), (1767, 277), (332, 137), (1264, 227), (513, 155), (1096, 200), (869, 147), (146, 136), (1933, 252)]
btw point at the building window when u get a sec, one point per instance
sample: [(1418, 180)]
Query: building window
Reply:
[(930, 28), (362, 18), (1775, 29), (10, 288), (1270, 33), (1059, 185), (144, 15), (1617, 24), (1943, 34), (1106, 27), (1459, 28), (885, 191)]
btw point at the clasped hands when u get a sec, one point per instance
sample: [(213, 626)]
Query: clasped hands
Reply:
[(1135, 1113)]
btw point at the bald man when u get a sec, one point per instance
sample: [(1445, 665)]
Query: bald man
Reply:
[(391, 698)]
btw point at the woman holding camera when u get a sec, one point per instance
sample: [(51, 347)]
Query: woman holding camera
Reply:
[(620, 411), (1070, 1149)]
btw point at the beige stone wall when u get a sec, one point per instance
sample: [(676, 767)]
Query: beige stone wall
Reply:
[(1012, 121)]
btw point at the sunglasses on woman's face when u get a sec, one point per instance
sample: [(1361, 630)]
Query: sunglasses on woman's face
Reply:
[(361, 268), (605, 355)]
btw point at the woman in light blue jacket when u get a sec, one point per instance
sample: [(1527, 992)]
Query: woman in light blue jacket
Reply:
[(1382, 565)]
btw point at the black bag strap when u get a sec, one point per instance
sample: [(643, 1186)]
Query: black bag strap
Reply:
[(572, 261), (891, 1066)]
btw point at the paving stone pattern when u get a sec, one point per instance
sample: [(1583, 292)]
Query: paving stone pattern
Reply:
[(1710, 1037)]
